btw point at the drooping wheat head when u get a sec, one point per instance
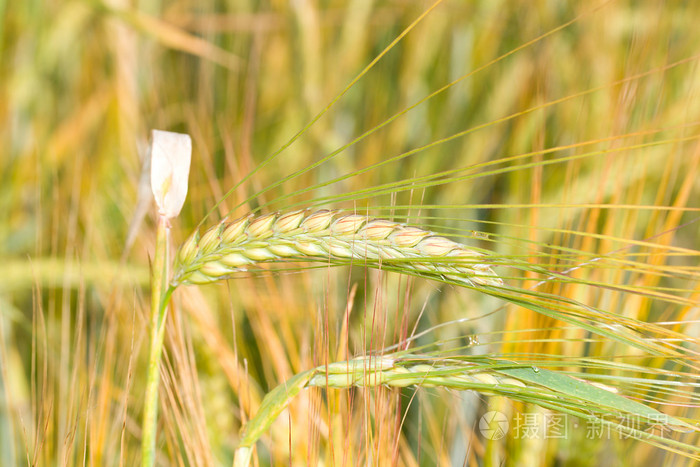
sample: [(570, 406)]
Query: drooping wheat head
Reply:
[(332, 237)]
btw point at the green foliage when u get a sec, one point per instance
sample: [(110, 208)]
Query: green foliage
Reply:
[(560, 136)]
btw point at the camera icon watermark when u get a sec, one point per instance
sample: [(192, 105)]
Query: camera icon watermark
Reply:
[(493, 425)]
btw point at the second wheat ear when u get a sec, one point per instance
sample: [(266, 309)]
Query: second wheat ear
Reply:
[(328, 236)]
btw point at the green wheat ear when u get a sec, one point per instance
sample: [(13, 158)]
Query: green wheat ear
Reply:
[(328, 236)]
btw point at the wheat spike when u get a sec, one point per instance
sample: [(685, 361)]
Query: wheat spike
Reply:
[(327, 236), (375, 371)]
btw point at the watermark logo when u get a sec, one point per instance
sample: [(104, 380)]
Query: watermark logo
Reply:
[(493, 425), (537, 425)]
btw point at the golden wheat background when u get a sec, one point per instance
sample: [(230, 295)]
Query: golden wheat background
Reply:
[(562, 137)]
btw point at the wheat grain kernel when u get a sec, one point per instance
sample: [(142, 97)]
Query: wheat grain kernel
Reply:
[(377, 229), (485, 378), (436, 246), (288, 222), (235, 260), (364, 250), (259, 254), (408, 236), (318, 221), (233, 233), (464, 253), (198, 278), (513, 382), (209, 241), (260, 227), (348, 224), (283, 250), (188, 251), (215, 269), (400, 377), (391, 253), (339, 249), (311, 249), (374, 378), (422, 368)]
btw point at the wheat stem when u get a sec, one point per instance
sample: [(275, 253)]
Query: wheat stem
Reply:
[(332, 237), (160, 296)]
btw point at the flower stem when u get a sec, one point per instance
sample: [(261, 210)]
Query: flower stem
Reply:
[(160, 296)]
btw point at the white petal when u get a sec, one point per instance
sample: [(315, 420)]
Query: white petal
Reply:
[(170, 168)]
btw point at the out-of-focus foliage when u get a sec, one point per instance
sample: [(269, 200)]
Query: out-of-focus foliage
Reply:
[(567, 145)]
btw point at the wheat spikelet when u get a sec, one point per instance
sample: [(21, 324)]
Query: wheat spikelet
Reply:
[(372, 371), (375, 371), (331, 237)]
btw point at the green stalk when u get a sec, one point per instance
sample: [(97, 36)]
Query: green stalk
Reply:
[(160, 297)]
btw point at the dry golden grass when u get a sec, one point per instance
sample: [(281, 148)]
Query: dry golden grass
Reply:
[(567, 146)]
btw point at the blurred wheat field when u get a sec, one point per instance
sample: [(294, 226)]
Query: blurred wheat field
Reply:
[(561, 137)]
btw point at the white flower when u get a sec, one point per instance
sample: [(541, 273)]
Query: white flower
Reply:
[(170, 167)]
